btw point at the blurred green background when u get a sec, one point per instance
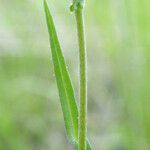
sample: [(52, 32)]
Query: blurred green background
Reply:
[(118, 45)]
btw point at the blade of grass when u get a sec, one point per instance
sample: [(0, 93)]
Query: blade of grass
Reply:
[(66, 93)]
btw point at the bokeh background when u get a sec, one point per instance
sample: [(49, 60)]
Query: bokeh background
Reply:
[(118, 45)]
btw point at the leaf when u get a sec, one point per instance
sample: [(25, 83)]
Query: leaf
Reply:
[(66, 93)]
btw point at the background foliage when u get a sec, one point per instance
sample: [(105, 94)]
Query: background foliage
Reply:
[(118, 38)]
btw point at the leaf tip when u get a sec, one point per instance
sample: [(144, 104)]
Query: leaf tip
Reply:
[(45, 4)]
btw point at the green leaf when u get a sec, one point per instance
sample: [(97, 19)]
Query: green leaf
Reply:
[(66, 93)]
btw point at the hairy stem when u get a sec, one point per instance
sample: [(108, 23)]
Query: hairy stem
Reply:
[(83, 79)]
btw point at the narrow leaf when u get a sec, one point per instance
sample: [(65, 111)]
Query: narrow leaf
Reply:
[(66, 93)]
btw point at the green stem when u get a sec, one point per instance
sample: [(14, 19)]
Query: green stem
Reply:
[(83, 78)]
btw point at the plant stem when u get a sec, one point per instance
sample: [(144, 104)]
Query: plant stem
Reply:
[(83, 78)]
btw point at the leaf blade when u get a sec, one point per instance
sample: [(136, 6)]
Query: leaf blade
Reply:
[(63, 80)]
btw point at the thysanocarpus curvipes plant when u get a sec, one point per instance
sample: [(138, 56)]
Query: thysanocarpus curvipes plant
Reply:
[(75, 118)]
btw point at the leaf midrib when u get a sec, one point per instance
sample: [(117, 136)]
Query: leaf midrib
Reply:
[(64, 84)]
